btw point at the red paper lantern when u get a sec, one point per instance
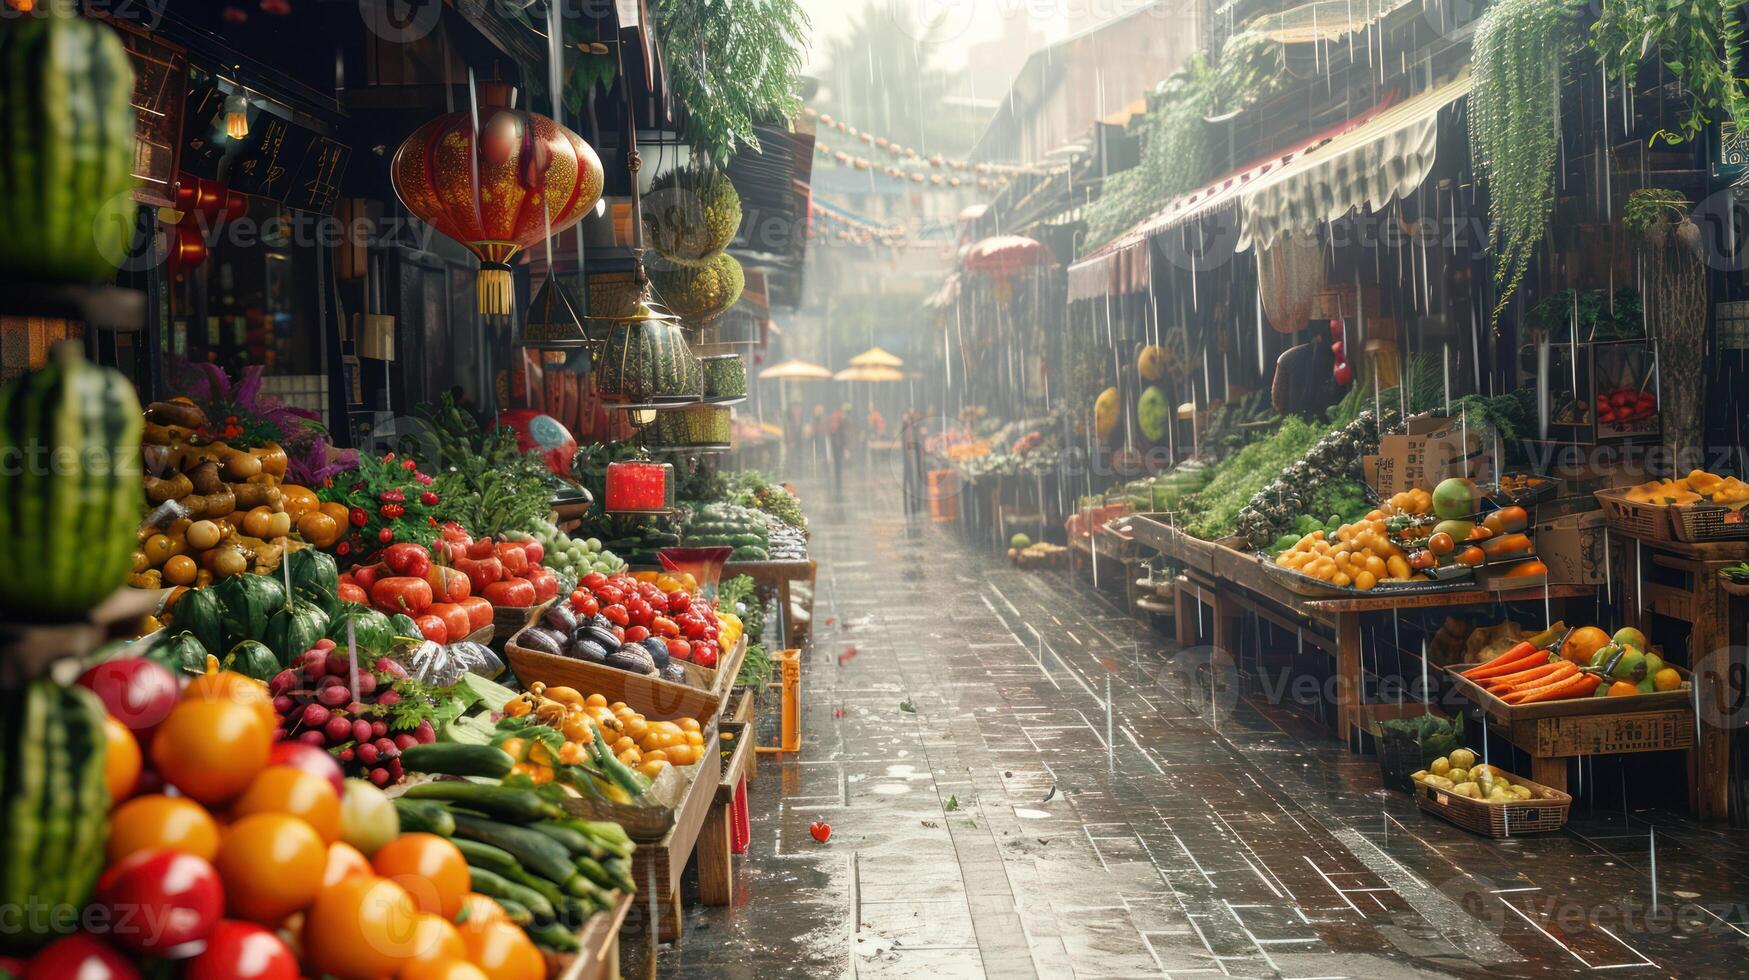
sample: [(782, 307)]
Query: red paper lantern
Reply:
[(500, 190), (639, 487)]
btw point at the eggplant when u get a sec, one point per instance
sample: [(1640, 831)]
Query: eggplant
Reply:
[(658, 650), (675, 671), (560, 617), (540, 641), (590, 651), (604, 636), (632, 657)]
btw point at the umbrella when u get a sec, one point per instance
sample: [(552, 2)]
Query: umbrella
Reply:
[(795, 370), (973, 212), (875, 357), (869, 372), (1004, 256)]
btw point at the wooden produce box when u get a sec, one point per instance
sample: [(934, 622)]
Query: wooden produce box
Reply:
[(1690, 523), (1546, 811), (598, 955), (1591, 705)]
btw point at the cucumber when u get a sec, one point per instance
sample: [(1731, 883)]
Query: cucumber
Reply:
[(455, 759), (574, 841), (494, 885), (424, 816), (483, 855), (504, 802), (516, 912), (538, 854), (555, 937), (592, 869), (548, 890)]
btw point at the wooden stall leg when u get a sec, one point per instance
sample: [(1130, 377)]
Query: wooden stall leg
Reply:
[(1348, 680), (716, 873), (671, 917), (1550, 772), (1184, 616)]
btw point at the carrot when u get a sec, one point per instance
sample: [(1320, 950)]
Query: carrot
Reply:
[(1513, 680), (1556, 679), (1524, 662), (1572, 687), (1515, 653)]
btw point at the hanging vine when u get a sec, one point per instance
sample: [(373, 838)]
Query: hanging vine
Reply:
[(1175, 154), (1515, 106), (1695, 39), (733, 65), (1676, 294)]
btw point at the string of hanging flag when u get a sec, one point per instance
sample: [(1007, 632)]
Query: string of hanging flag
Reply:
[(837, 223), (987, 174)]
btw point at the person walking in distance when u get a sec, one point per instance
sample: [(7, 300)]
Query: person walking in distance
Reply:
[(817, 438), (911, 455), (838, 438)]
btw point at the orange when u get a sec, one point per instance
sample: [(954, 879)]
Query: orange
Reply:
[(430, 868), (337, 511), (1667, 679), (211, 750), (294, 792), (155, 821), (442, 968), (477, 910), (344, 861), (271, 865), (435, 938), (361, 929), (121, 759), (180, 570), (1585, 641), (318, 529), (297, 500), (258, 523), (504, 952), (1622, 689)]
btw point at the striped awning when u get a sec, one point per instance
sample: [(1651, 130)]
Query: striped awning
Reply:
[(1366, 167)]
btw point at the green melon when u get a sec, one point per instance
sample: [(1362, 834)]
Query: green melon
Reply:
[(690, 215), (1153, 414), (1020, 542), (699, 293)]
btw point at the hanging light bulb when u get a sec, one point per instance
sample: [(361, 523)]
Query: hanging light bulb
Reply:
[(236, 115)]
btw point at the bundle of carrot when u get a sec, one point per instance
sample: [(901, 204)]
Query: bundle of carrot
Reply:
[(1528, 673)]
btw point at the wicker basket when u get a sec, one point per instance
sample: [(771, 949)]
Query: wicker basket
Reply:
[(1547, 811), (1647, 522), (1699, 523)]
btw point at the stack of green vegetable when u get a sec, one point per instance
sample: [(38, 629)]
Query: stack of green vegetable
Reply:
[(729, 525), (1324, 480), (751, 488), (1213, 512), (572, 557), (549, 871)]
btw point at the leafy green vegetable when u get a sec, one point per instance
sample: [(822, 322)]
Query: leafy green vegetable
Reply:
[(1214, 510)]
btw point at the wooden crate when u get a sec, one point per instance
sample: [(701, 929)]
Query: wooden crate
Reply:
[(1546, 811), (1585, 707)]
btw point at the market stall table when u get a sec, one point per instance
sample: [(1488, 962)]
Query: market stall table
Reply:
[(598, 955), (781, 575), (716, 874)]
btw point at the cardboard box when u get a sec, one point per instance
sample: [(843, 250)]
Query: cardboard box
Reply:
[(1430, 449), (1572, 547)]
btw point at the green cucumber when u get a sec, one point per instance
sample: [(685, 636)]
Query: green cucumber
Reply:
[(538, 854), (456, 759), (504, 802), (592, 869), (424, 816), (574, 841), (548, 890), (494, 885), (515, 911), (483, 855), (555, 937)]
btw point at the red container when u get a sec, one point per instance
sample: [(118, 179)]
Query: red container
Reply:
[(639, 487)]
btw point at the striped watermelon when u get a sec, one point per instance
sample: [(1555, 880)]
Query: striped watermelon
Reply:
[(66, 148), (70, 487)]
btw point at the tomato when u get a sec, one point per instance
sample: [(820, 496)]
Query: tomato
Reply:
[(401, 594), (585, 603), (593, 581), (366, 576), (154, 822), (242, 951), (544, 580), (456, 622), (435, 938), (352, 592), (481, 572), (135, 690), (272, 865), (504, 952), (431, 869), (344, 861), (639, 611), (158, 900), (81, 957), (296, 793), (212, 749), (513, 556), (637, 634), (616, 614), (121, 759), (610, 595), (360, 929), (513, 593), (407, 558), (480, 612), (663, 626), (442, 968), (300, 755), (447, 584), (433, 628), (678, 646)]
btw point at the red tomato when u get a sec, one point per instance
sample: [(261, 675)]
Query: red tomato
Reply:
[(160, 899), (616, 614), (610, 595), (593, 581), (637, 634), (401, 594), (678, 601), (535, 551), (481, 572), (479, 612), (704, 654), (447, 584), (352, 592), (455, 619), (433, 628), (483, 548), (81, 956), (513, 556), (407, 559), (242, 951), (317, 762), (678, 646), (587, 605), (544, 580), (138, 692), (640, 611), (514, 593), (367, 575)]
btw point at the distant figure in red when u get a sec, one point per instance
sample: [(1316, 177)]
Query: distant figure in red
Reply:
[(838, 437)]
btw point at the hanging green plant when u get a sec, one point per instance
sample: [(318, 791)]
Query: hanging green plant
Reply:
[(1695, 39), (733, 64), (1175, 153), (1252, 68), (1515, 105), (691, 214)]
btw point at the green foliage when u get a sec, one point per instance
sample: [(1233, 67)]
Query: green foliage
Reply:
[(1520, 46), (732, 64), (1214, 511), (1651, 208), (1512, 414), (1695, 40), (1176, 155), (1599, 317), (1252, 67), (484, 482)]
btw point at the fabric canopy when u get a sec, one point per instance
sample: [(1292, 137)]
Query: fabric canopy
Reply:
[(869, 372), (876, 357), (1367, 167), (794, 370)]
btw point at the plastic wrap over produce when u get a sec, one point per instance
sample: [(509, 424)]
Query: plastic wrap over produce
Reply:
[(436, 665)]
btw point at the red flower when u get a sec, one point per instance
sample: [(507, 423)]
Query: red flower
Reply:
[(428, 498), (422, 478), (409, 465), (388, 456), (386, 535), (343, 548), (358, 517), (391, 511), (432, 521)]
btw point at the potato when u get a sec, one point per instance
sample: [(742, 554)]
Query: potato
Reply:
[(240, 465), (1462, 758)]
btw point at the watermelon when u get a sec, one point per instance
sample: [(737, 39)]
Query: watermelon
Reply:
[(252, 658), (643, 361), (295, 628), (68, 161), (68, 513), (246, 602), (370, 628), (199, 613), (314, 578)]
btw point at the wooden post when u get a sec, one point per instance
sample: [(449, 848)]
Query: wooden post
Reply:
[(716, 872), (1349, 683)]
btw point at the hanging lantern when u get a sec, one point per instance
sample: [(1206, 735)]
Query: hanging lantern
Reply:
[(640, 487), (645, 361), (236, 115), (499, 191), (552, 322)]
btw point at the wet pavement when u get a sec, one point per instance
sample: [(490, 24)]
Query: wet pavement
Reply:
[(991, 818)]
